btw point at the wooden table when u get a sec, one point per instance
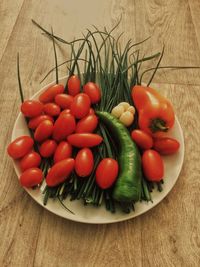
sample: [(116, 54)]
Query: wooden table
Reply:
[(169, 234)]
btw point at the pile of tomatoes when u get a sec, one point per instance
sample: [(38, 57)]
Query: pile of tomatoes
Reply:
[(61, 122), (152, 149)]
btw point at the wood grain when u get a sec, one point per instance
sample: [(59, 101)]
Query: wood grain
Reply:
[(169, 234)]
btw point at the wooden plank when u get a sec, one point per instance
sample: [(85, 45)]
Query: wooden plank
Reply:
[(9, 11), (171, 23)]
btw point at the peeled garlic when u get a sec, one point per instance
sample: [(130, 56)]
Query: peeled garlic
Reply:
[(126, 105), (127, 118), (117, 111), (131, 109)]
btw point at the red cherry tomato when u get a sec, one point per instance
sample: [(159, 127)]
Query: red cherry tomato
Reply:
[(34, 122), (91, 111), (80, 106), (93, 91), (20, 147), (60, 172), (166, 146), (31, 108), (47, 148), (30, 160), (74, 85), (63, 126), (142, 139), (63, 100), (63, 151), (152, 165), (43, 131), (87, 124), (84, 139), (106, 173), (31, 177), (51, 109), (48, 95), (65, 111), (84, 162)]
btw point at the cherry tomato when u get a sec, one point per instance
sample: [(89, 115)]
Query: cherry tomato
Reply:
[(31, 108), (48, 148), (80, 106), (84, 162), (63, 100), (60, 172), (34, 122), (84, 139), (30, 160), (43, 131), (106, 173), (63, 126), (20, 147), (51, 109), (93, 91), (48, 95), (152, 165), (166, 146), (63, 151), (74, 85), (31, 177), (142, 139), (87, 124), (91, 111), (65, 111)]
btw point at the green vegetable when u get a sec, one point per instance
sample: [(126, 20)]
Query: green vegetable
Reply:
[(128, 185)]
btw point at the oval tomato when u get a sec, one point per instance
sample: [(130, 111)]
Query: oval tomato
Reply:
[(91, 111), (152, 165), (80, 106), (31, 177), (84, 162), (63, 100), (87, 124), (63, 151), (106, 173), (84, 139), (51, 109), (43, 131), (74, 85), (20, 147), (60, 172), (48, 148), (31, 108), (65, 111), (166, 146), (34, 122), (30, 160), (63, 126), (142, 139), (49, 94), (93, 91)]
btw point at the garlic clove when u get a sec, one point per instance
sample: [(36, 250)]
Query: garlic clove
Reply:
[(126, 105), (117, 111), (127, 118), (131, 109)]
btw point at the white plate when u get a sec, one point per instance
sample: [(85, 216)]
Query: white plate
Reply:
[(90, 214)]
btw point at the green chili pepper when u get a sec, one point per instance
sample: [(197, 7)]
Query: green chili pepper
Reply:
[(128, 184)]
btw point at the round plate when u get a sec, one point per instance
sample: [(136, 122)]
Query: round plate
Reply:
[(99, 215)]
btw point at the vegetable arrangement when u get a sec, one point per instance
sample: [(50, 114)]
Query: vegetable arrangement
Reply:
[(100, 138)]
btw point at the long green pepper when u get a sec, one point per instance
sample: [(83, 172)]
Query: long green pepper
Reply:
[(128, 185)]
